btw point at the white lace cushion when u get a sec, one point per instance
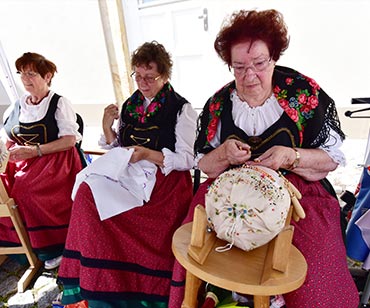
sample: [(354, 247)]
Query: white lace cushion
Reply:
[(247, 206)]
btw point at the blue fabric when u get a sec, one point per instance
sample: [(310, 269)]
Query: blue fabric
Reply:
[(357, 249)]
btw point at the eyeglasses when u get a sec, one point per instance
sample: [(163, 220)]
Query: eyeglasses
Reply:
[(27, 74), (147, 79), (257, 66)]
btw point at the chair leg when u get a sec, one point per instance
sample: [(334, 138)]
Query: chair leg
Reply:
[(192, 285), (28, 275), (261, 301), (365, 293), (2, 259)]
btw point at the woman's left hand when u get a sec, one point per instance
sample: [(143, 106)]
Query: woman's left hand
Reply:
[(18, 153), (140, 153), (276, 157)]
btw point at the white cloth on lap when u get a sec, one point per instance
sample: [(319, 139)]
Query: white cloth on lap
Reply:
[(116, 184)]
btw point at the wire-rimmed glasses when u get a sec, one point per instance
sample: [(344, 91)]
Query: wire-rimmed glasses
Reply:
[(147, 79), (256, 66)]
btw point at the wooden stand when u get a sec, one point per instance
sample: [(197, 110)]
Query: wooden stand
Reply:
[(9, 209), (275, 268)]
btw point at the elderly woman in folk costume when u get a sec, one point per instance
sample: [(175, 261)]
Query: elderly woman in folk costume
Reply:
[(277, 117), (123, 258), (41, 132)]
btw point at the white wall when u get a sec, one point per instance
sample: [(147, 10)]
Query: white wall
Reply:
[(69, 33), (329, 41)]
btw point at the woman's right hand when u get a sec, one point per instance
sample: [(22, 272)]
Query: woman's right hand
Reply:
[(111, 113), (231, 152), (236, 152)]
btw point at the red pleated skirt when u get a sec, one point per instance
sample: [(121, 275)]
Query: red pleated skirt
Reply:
[(128, 256), (41, 187)]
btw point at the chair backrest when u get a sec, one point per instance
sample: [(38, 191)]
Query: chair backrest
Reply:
[(80, 123), (196, 180)]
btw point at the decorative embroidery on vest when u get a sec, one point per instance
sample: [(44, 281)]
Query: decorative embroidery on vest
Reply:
[(298, 97), (29, 139), (215, 109), (135, 105)]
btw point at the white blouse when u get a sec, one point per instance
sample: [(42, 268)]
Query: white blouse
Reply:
[(64, 115), (255, 120), (185, 131)]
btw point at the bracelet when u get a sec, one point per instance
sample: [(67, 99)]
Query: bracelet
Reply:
[(39, 153), (296, 161)]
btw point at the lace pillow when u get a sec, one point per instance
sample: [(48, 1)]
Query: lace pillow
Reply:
[(247, 206)]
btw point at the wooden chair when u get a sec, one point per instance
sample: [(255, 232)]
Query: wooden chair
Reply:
[(8, 208), (275, 268)]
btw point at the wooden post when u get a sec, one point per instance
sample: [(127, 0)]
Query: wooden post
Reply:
[(117, 48)]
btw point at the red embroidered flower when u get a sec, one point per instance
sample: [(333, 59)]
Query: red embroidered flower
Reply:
[(289, 81), (284, 103), (214, 106), (293, 114), (152, 107), (212, 128), (313, 101), (298, 102), (135, 104), (302, 98)]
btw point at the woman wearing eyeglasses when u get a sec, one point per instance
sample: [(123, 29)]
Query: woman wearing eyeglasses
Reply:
[(41, 133), (276, 117), (124, 259)]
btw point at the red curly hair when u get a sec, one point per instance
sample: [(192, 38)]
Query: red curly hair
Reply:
[(267, 26)]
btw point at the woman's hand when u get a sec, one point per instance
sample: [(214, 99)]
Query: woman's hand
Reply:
[(22, 152), (235, 151), (313, 164), (231, 152), (111, 113), (277, 157), (142, 153), (18, 153), (139, 153)]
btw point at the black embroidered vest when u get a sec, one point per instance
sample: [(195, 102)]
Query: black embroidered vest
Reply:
[(158, 132), (282, 132), (39, 132)]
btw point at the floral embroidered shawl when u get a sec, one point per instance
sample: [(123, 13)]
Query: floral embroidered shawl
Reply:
[(301, 98)]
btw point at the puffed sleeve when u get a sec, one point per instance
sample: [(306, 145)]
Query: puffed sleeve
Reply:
[(66, 119), (183, 157)]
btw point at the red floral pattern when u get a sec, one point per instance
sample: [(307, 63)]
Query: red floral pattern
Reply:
[(215, 109), (135, 104), (298, 103), (298, 97)]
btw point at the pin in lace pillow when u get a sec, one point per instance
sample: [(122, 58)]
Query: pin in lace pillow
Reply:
[(247, 206)]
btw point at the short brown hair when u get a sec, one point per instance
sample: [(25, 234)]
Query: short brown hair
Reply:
[(36, 62), (267, 26), (153, 52)]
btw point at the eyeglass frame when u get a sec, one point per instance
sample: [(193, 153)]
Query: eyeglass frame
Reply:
[(252, 67), (148, 80), (27, 74)]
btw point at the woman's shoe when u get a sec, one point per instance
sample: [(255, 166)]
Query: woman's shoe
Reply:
[(52, 263)]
